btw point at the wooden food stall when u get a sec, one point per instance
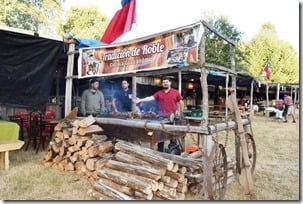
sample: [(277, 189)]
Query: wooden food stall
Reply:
[(174, 51)]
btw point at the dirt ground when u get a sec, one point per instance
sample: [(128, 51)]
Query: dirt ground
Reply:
[(276, 175)]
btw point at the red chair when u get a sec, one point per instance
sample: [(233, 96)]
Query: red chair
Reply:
[(22, 118)]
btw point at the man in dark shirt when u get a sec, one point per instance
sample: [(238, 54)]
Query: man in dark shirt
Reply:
[(122, 100)]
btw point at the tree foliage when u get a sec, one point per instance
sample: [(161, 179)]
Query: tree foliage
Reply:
[(217, 51), (34, 15), (85, 22), (267, 46)]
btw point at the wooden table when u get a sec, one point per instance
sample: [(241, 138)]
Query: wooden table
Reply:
[(9, 133)]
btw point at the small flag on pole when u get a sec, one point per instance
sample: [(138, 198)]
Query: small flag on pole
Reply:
[(121, 22), (267, 70)]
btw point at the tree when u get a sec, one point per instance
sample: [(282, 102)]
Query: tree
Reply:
[(85, 22), (217, 50), (267, 46), (34, 15)]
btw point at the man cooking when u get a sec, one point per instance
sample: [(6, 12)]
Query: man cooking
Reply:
[(169, 101)]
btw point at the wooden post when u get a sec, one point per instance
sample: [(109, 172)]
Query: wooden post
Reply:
[(278, 91), (207, 143), (69, 80), (58, 111), (267, 98), (295, 100), (233, 65), (226, 95), (134, 92), (180, 81), (251, 96)]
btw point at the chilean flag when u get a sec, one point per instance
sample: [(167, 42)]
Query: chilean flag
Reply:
[(121, 22), (267, 71)]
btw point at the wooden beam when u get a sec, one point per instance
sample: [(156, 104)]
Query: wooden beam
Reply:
[(69, 81), (222, 68), (233, 66), (278, 91), (217, 33)]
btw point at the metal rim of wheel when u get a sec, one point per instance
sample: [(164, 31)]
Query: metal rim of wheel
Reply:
[(252, 153), (217, 173)]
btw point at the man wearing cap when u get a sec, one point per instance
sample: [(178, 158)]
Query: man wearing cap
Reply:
[(92, 100), (169, 101)]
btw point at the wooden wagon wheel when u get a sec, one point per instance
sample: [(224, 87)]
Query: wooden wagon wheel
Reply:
[(252, 152), (217, 173)]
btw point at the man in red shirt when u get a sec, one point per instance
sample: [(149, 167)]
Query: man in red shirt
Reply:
[(169, 101)]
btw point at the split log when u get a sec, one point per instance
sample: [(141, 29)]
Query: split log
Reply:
[(110, 191), (48, 156), (145, 171), (165, 179), (175, 168), (55, 147), (58, 127), (181, 187), (125, 179), (182, 170), (69, 167), (179, 177), (57, 159), (160, 185), (173, 183), (96, 195), (180, 196), (169, 191), (90, 129), (59, 135), (99, 149), (74, 148), (163, 195), (73, 139), (66, 133), (145, 154), (118, 187), (103, 160), (74, 157), (143, 196), (87, 121)]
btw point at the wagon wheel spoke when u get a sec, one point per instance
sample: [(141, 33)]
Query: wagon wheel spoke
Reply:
[(217, 173), (252, 153)]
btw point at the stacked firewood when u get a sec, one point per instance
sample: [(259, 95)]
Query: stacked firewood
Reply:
[(77, 147), (195, 176), (140, 173)]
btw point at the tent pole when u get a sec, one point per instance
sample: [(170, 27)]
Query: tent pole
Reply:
[(69, 80)]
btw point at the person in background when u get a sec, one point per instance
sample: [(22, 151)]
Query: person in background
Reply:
[(122, 100), (92, 100), (169, 101), (288, 108)]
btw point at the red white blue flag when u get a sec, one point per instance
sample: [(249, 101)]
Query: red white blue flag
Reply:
[(121, 22), (267, 70)]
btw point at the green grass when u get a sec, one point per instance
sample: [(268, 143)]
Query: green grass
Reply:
[(276, 175)]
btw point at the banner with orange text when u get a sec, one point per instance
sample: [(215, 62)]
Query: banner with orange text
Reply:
[(178, 47)]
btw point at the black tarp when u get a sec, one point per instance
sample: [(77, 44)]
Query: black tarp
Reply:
[(27, 66)]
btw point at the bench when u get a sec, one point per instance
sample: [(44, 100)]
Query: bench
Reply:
[(5, 147)]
